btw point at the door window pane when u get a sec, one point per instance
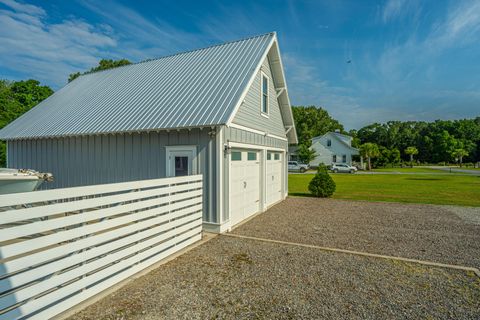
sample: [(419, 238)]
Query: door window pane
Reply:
[(181, 166), (277, 156), (269, 156), (236, 156), (252, 156)]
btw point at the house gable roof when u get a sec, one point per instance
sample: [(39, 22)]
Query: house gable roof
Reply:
[(197, 88), (336, 136)]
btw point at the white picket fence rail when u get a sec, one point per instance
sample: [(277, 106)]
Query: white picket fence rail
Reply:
[(60, 247)]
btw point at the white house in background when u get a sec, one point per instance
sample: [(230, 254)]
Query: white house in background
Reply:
[(332, 147)]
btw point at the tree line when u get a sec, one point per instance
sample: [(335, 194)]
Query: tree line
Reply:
[(395, 142), (437, 142)]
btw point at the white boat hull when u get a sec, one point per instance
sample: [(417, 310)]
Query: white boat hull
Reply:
[(15, 186), (15, 181)]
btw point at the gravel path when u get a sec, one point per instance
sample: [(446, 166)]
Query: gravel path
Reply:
[(444, 234), (229, 278)]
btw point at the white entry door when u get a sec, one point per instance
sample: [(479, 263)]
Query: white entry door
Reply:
[(244, 184), (274, 177), (181, 161)]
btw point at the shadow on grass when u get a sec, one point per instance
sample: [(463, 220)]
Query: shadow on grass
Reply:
[(424, 179)]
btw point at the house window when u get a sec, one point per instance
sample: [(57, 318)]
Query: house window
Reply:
[(334, 158), (344, 158), (329, 143), (181, 166), (236, 156), (252, 156), (264, 94)]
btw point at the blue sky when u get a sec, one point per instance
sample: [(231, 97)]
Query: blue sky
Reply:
[(410, 60)]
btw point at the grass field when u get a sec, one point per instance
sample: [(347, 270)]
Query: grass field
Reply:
[(436, 189), (407, 170)]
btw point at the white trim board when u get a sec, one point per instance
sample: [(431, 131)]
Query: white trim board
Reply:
[(219, 170), (253, 146), (263, 133), (178, 148)]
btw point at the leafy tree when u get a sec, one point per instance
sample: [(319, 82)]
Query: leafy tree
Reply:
[(355, 139), (394, 157), (411, 151), (313, 121), (305, 154), (369, 150), (459, 154), (103, 64), (16, 98), (387, 157)]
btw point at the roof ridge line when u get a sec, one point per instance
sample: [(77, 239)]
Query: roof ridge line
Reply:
[(182, 52)]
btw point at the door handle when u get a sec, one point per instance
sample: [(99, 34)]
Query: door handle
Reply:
[(244, 184)]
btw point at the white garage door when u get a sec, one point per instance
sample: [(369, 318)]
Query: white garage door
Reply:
[(244, 185), (274, 177)]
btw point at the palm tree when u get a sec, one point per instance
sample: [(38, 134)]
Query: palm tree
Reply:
[(369, 150), (411, 151), (459, 154)]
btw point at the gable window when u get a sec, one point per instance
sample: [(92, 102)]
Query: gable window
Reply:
[(264, 94), (329, 143)]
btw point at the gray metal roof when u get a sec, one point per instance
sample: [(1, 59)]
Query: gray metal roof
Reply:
[(191, 89)]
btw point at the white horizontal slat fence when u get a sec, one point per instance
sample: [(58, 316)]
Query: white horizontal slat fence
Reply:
[(60, 247)]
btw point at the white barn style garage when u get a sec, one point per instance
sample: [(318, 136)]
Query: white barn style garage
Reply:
[(221, 111)]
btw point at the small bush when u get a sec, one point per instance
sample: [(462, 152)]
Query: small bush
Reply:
[(322, 185)]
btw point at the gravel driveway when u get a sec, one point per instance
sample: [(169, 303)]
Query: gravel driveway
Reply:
[(231, 278), (444, 234)]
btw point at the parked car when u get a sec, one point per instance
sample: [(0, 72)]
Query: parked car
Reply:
[(297, 166), (343, 167)]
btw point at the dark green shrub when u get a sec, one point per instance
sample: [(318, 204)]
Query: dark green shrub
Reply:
[(322, 185)]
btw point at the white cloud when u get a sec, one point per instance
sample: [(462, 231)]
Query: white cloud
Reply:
[(24, 8), (393, 9), (141, 38), (48, 51), (461, 26)]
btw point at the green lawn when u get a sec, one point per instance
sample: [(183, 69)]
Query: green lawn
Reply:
[(413, 170), (435, 189)]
